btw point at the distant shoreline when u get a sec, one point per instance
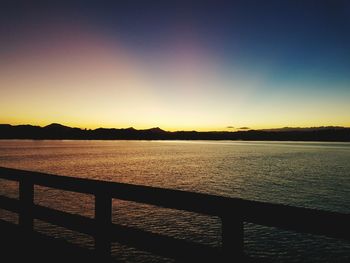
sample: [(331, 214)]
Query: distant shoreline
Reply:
[(61, 132)]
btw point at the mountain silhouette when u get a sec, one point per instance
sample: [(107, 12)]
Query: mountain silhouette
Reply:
[(58, 131), (56, 126)]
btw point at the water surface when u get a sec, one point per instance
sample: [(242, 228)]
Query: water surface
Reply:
[(306, 174)]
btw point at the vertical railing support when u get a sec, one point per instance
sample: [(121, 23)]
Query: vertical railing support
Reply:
[(26, 198), (232, 237), (103, 217)]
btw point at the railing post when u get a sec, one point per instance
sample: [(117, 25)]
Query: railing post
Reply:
[(26, 198), (232, 237), (103, 217)]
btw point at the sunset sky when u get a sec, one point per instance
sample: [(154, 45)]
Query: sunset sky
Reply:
[(205, 65)]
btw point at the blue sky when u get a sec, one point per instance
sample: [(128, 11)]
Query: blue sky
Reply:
[(188, 64)]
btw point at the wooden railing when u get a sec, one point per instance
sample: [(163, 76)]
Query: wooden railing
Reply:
[(232, 211)]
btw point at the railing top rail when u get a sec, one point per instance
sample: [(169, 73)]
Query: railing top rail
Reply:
[(295, 218)]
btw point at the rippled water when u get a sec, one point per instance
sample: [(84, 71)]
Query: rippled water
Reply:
[(307, 174)]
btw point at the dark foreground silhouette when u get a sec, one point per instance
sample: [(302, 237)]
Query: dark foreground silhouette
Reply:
[(22, 240), (58, 131)]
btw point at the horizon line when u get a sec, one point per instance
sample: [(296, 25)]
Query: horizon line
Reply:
[(225, 129)]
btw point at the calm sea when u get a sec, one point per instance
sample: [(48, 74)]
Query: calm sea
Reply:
[(305, 174)]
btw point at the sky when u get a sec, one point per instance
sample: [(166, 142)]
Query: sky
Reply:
[(178, 65)]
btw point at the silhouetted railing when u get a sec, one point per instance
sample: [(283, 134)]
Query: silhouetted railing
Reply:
[(232, 211)]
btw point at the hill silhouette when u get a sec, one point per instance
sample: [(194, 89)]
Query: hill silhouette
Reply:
[(58, 131)]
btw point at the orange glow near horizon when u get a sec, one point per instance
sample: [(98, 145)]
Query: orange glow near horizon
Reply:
[(83, 79)]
